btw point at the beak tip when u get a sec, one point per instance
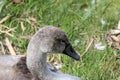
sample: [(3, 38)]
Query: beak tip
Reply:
[(77, 58)]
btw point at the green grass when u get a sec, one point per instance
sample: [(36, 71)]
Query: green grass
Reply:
[(80, 20)]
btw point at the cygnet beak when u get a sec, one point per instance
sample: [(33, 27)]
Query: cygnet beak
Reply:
[(71, 52)]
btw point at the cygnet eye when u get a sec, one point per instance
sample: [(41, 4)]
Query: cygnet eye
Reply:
[(61, 41)]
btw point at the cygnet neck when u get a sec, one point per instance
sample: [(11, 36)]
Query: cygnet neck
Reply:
[(38, 67)]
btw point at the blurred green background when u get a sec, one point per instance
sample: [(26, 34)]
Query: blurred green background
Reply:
[(82, 20)]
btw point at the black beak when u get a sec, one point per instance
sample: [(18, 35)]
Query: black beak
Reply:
[(71, 52)]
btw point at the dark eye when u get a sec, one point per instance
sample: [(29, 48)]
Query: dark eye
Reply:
[(60, 40)]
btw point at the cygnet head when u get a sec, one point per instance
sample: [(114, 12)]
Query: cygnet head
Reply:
[(53, 40)]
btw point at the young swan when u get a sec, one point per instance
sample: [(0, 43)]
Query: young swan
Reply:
[(48, 40)]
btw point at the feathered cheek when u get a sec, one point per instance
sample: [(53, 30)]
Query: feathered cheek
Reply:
[(45, 47)]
